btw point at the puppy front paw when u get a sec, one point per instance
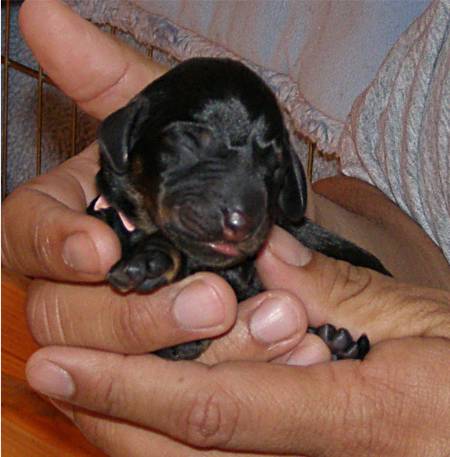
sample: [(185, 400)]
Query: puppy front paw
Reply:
[(341, 343), (142, 272)]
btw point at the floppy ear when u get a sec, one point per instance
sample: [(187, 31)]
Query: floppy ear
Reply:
[(119, 132), (293, 194)]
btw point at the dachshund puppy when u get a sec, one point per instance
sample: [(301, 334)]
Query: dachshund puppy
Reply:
[(195, 171)]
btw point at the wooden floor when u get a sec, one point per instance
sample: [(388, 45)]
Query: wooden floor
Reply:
[(31, 427)]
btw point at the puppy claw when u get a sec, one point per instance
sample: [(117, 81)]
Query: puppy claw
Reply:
[(341, 343)]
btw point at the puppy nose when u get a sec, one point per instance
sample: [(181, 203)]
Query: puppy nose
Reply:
[(236, 225)]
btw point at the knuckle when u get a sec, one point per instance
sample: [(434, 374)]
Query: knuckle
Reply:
[(133, 322), (377, 403), (345, 282), (29, 246), (99, 431), (212, 417), (44, 311), (43, 244), (357, 415), (11, 256), (111, 389)]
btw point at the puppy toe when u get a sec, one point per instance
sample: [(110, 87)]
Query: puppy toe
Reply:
[(185, 351), (341, 343), (341, 340)]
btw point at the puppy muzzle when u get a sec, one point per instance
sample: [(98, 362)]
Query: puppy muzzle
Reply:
[(215, 237)]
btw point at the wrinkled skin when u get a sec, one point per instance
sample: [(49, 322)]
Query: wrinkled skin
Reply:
[(397, 407)]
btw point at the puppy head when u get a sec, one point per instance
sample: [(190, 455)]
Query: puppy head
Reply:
[(202, 155)]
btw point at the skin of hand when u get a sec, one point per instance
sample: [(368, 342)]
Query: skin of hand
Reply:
[(394, 403), (47, 235), (50, 212)]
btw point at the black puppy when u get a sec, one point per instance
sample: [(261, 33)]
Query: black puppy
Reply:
[(195, 170)]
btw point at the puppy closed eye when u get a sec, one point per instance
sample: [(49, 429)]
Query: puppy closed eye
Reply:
[(186, 141)]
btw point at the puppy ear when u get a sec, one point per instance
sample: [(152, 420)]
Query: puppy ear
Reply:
[(293, 194), (119, 132)]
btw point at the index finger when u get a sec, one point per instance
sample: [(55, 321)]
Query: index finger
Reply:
[(98, 72), (342, 405), (46, 232)]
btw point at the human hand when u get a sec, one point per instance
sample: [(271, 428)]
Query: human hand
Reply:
[(395, 402)]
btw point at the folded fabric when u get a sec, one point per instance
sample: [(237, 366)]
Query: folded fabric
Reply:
[(398, 134)]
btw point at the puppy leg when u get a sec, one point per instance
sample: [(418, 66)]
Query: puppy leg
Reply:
[(148, 261)]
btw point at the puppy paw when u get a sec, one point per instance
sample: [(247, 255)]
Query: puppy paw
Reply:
[(142, 272), (185, 351), (341, 343)]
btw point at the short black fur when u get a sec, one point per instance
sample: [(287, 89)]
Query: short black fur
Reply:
[(202, 165)]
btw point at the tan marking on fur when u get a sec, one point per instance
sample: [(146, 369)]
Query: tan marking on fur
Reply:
[(172, 273)]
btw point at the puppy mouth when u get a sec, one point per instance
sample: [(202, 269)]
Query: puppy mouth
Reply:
[(227, 249), (217, 253)]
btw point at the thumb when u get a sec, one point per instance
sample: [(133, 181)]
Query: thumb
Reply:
[(357, 298)]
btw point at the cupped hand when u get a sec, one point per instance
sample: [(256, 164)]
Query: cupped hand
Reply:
[(45, 232), (395, 402), (356, 298)]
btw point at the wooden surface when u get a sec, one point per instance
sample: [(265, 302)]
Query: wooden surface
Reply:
[(31, 427)]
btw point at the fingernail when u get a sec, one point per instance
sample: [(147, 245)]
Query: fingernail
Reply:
[(50, 379), (288, 249), (310, 353), (198, 306), (275, 320), (80, 253)]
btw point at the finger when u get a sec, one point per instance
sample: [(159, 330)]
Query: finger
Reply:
[(269, 327), (357, 298), (46, 233), (200, 306), (91, 67), (117, 438), (309, 351), (352, 404)]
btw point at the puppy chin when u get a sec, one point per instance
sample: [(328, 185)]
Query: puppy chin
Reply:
[(213, 255), (207, 252)]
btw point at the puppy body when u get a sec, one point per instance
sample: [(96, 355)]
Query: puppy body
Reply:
[(201, 164)]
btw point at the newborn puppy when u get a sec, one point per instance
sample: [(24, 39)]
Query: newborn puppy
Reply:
[(195, 171)]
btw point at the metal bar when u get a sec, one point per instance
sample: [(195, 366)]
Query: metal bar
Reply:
[(40, 103), (5, 77), (26, 70), (310, 165)]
